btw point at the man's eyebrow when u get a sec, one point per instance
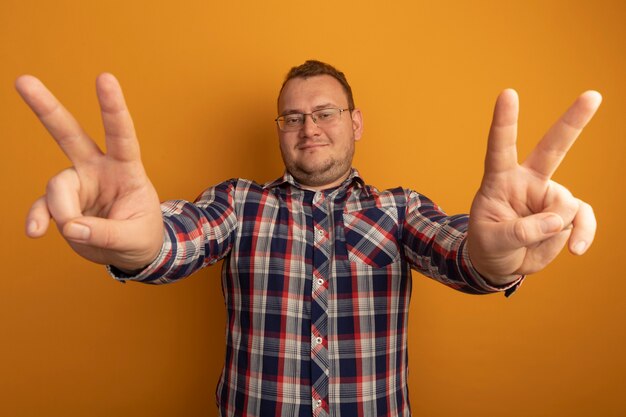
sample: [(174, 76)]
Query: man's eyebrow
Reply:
[(318, 107), (324, 106), (291, 111)]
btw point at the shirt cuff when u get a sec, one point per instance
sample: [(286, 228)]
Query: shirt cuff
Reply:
[(142, 274), (486, 285)]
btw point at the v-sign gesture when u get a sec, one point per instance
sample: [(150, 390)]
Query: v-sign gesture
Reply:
[(104, 205), (520, 219)]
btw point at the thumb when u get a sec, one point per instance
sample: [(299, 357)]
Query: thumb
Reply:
[(77, 232), (533, 229), (128, 244), (114, 235)]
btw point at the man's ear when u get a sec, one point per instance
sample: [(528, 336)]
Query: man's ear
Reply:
[(357, 123)]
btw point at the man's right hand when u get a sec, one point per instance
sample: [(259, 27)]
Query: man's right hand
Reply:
[(104, 205)]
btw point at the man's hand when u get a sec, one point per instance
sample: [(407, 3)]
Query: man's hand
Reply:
[(520, 219), (104, 205)]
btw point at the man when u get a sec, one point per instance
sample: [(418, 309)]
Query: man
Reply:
[(316, 269)]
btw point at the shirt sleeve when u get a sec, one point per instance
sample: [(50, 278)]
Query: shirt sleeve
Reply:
[(195, 235), (434, 244)]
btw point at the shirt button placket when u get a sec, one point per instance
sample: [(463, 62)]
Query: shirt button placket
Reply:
[(319, 309)]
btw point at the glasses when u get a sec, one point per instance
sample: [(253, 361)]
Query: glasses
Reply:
[(295, 121)]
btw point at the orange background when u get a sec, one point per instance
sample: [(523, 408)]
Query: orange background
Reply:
[(201, 79)]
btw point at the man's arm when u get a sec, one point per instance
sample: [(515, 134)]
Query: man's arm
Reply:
[(104, 205), (195, 235), (520, 219), (435, 245)]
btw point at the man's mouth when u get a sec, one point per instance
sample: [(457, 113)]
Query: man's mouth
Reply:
[(311, 145)]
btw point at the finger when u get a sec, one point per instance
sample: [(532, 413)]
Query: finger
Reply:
[(539, 256), (74, 142), (118, 126), (62, 197), (584, 229), (38, 218), (559, 200), (550, 151), (501, 148)]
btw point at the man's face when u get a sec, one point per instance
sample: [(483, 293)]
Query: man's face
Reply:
[(318, 157)]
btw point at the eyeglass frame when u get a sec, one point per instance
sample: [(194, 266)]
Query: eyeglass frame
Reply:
[(304, 115)]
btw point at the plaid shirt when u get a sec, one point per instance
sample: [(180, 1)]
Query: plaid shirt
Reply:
[(317, 288)]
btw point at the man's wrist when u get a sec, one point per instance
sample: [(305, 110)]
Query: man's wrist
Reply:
[(501, 281)]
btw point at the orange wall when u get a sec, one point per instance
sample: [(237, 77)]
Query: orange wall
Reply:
[(201, 78)]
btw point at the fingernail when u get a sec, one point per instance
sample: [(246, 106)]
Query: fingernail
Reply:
[(551, 224), (580, 247), (31, 228), (77, 231)]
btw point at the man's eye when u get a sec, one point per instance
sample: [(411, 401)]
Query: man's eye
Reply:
[(325, 114), (292, 120)]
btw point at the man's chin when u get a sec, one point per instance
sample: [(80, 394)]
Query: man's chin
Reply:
[(319, 177), (318, 170)]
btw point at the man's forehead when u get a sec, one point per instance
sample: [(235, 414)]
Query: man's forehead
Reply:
[(311, 91)]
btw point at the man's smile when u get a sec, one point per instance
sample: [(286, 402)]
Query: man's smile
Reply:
[(311, 146)]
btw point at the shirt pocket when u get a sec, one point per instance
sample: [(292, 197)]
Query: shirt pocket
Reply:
[(371, 236)]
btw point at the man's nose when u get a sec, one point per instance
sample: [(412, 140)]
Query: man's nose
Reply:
[(309, 128)]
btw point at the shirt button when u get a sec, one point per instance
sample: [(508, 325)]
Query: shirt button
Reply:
[(320, 281), (320, 232), (318, 340)]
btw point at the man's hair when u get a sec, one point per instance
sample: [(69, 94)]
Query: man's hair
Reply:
[(312, 68)]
